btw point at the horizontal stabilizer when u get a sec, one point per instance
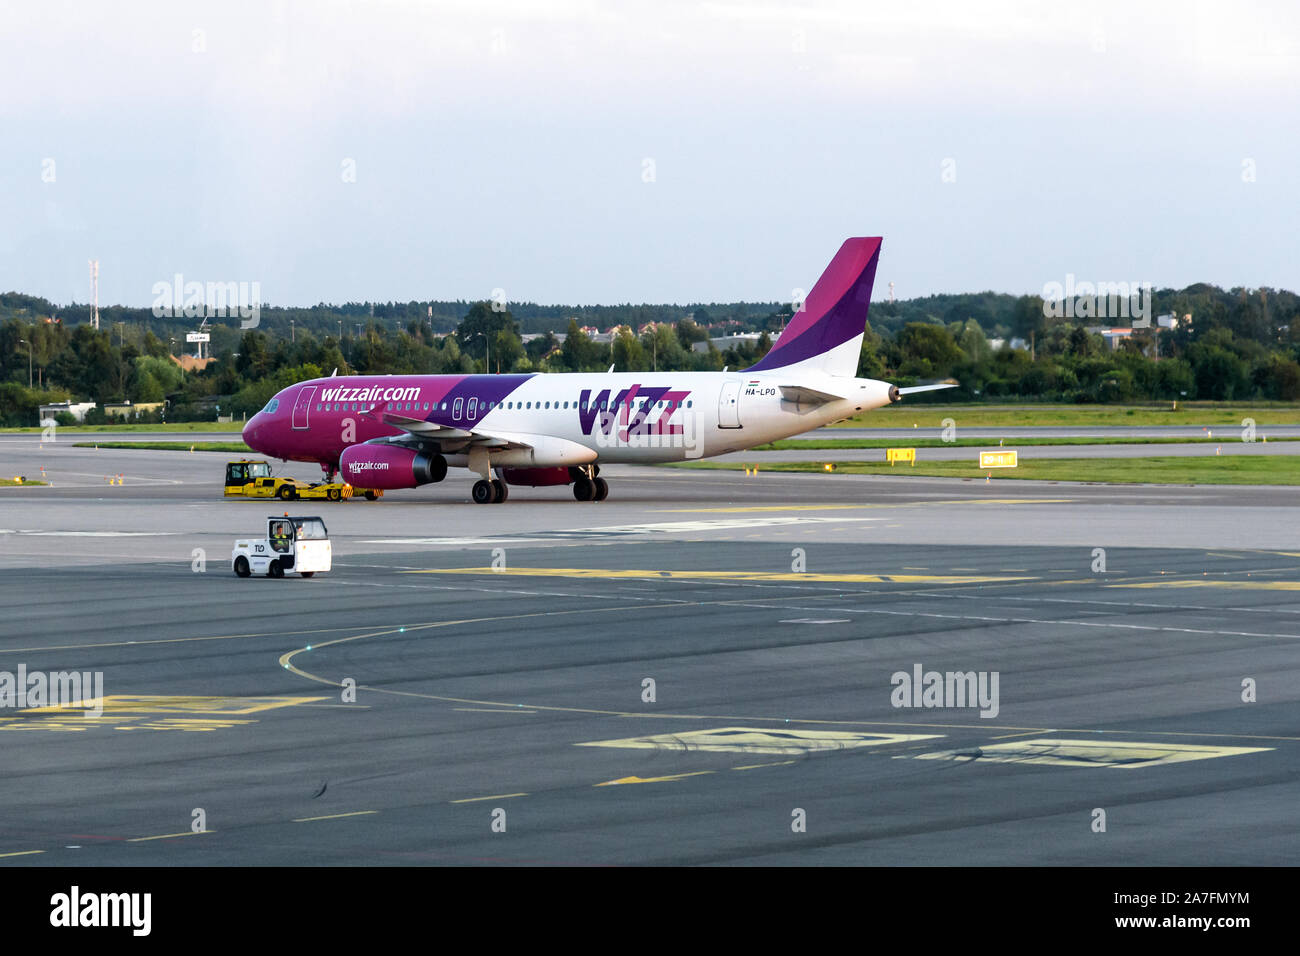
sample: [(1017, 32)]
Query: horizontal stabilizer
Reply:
[(803, 395), (913, 389)]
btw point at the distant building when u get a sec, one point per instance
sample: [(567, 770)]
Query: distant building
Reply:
[(76, 409), (1112, 337), (997, 344), (130, 409), (725, 342)]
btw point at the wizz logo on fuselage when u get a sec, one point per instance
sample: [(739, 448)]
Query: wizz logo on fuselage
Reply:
[(633, 411), (371, 393)]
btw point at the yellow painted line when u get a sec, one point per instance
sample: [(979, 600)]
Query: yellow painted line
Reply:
[(1027, 733), (493, 710), (340, 706), (1233, 585), (497, 796), (604, 573), (336, 816), (170, 704), (756, 766), (21, 853), (668, 779), (168, 836), (693, 511)]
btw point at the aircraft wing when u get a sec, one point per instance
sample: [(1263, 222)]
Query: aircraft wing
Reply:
[(450, 440)]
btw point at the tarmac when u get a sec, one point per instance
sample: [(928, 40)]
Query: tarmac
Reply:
[(706, 668)]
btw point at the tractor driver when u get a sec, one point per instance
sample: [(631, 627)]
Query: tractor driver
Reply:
[(280, 536)]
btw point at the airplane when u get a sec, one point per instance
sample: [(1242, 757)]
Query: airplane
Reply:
[(547, 429)]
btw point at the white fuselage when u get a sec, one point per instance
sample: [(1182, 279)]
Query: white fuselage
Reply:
[(673, 416)]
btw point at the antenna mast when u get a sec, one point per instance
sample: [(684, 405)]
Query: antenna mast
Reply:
[(94, 293)]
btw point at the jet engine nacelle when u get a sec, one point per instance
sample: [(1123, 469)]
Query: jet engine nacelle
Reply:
[(537, 477), (390, 466)]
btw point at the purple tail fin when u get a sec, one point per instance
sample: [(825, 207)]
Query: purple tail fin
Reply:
[(826, 335)]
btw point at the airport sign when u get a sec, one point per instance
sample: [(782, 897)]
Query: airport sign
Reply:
[(998, 459)]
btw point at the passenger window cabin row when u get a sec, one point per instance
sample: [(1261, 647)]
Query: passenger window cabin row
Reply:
[(475, 406)]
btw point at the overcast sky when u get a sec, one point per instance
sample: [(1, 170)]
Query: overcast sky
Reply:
[(589, 152)]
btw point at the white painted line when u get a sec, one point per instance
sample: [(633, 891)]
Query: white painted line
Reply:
[(90, 534), (449, 541), (715, 524)]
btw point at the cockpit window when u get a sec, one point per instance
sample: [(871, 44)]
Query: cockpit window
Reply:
[(271, 406)]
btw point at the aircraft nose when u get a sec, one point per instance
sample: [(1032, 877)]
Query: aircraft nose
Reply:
[(251, 428)]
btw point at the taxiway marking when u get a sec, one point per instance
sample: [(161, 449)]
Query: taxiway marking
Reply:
[(726, 575), (1112, 754)]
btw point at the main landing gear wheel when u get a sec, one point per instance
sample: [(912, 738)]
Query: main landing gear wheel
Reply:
[(241, 567), (483, 493), (502, 489), (584, 489), (602, 489)]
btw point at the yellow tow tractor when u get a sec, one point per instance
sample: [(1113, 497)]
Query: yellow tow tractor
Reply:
[(251, 478)]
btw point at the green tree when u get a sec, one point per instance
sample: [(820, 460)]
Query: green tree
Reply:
[(928, 351), (477, 332)]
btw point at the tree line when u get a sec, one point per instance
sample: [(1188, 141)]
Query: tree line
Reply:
[(1240, 345)]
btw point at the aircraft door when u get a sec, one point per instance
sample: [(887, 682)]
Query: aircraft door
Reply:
[(303, 405), (729, 405)]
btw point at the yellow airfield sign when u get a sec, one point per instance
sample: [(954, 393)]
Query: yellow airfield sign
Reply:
[(998, 459)]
